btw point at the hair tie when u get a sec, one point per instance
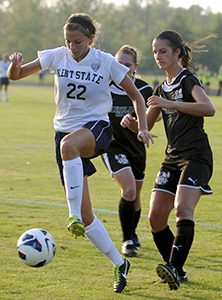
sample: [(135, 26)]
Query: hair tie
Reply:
[(83, 23), (184, 50)]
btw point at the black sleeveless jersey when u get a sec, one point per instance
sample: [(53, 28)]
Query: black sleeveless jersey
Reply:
[(185, 134), (122, 105)]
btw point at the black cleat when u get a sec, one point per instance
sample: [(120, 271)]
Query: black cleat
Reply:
[(120, 273), (136, 241), (183, 278), (128, 248), (169, 273)]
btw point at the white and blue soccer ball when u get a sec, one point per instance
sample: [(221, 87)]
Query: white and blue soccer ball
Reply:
[(36, 247)]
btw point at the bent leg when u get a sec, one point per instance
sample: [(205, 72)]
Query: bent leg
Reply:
[(161, 204), (136, 241), (96, 232), (73, 146), (185, 203), (127, 184)]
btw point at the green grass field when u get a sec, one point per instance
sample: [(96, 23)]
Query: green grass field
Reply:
[(31, 196)]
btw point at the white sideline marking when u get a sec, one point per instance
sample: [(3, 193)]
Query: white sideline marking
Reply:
[(96, 209)]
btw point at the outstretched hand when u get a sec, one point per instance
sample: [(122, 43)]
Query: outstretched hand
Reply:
[(17, 59), (143, 136)]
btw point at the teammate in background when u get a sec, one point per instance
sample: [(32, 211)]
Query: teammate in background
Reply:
[(155, 82), (206, 79), (219, 77), (4, 81), (83, 129), (41, 76), (126, 156), (200, 72), (187, 166)]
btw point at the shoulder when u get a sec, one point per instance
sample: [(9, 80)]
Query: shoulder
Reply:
[(51, 58), (190, 78), (139, 83), (101, 54), (189, 81), (144, 88), (59, 50)]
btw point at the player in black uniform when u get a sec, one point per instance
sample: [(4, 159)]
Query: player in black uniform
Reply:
[(187, 166), (126, 156)]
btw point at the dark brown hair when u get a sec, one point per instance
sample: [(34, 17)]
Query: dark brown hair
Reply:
[(83, 23), (176, 41), (135, 53)]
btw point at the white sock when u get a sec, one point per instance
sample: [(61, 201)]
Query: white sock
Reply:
[(99, 237), (6, 96), (73, 177)]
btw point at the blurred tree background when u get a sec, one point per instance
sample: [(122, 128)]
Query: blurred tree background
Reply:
[(30, 25)]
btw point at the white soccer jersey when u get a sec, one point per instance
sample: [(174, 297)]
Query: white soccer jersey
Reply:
[(4, 68), (81, 88)]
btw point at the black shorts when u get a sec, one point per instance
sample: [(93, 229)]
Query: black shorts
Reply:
[(116, 160), (4, 81), (195, 173), (102, 131)]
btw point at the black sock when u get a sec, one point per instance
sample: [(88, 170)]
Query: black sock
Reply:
[(126, 215), (164, 241), (182, 244), (136, 221)]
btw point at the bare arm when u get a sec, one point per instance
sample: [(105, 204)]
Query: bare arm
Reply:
[(16, 71), (137, 100), (140, 109), (202, 107), (153, 115)]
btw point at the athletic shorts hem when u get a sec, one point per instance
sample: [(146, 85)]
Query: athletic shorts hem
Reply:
[(140, 180), (116, 172), (162, 190), (116, 162), (204, 191)]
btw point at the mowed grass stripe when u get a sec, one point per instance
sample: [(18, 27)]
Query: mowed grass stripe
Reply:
[(97, 209)]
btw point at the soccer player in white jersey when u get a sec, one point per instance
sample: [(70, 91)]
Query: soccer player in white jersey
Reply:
[(188, 164), (4, 81), (83, 129)]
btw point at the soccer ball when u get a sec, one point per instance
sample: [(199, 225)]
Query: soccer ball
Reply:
[(36, 247)]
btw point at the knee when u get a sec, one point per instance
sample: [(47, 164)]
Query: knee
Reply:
[(158, 220), (68, 151), (129, 193), (183, 212), (153, 220)]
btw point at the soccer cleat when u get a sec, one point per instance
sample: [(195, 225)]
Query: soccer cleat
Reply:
[(76, 226), (169, 273), (128, 248), (183, 278), (120, 273), (136, 241)]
